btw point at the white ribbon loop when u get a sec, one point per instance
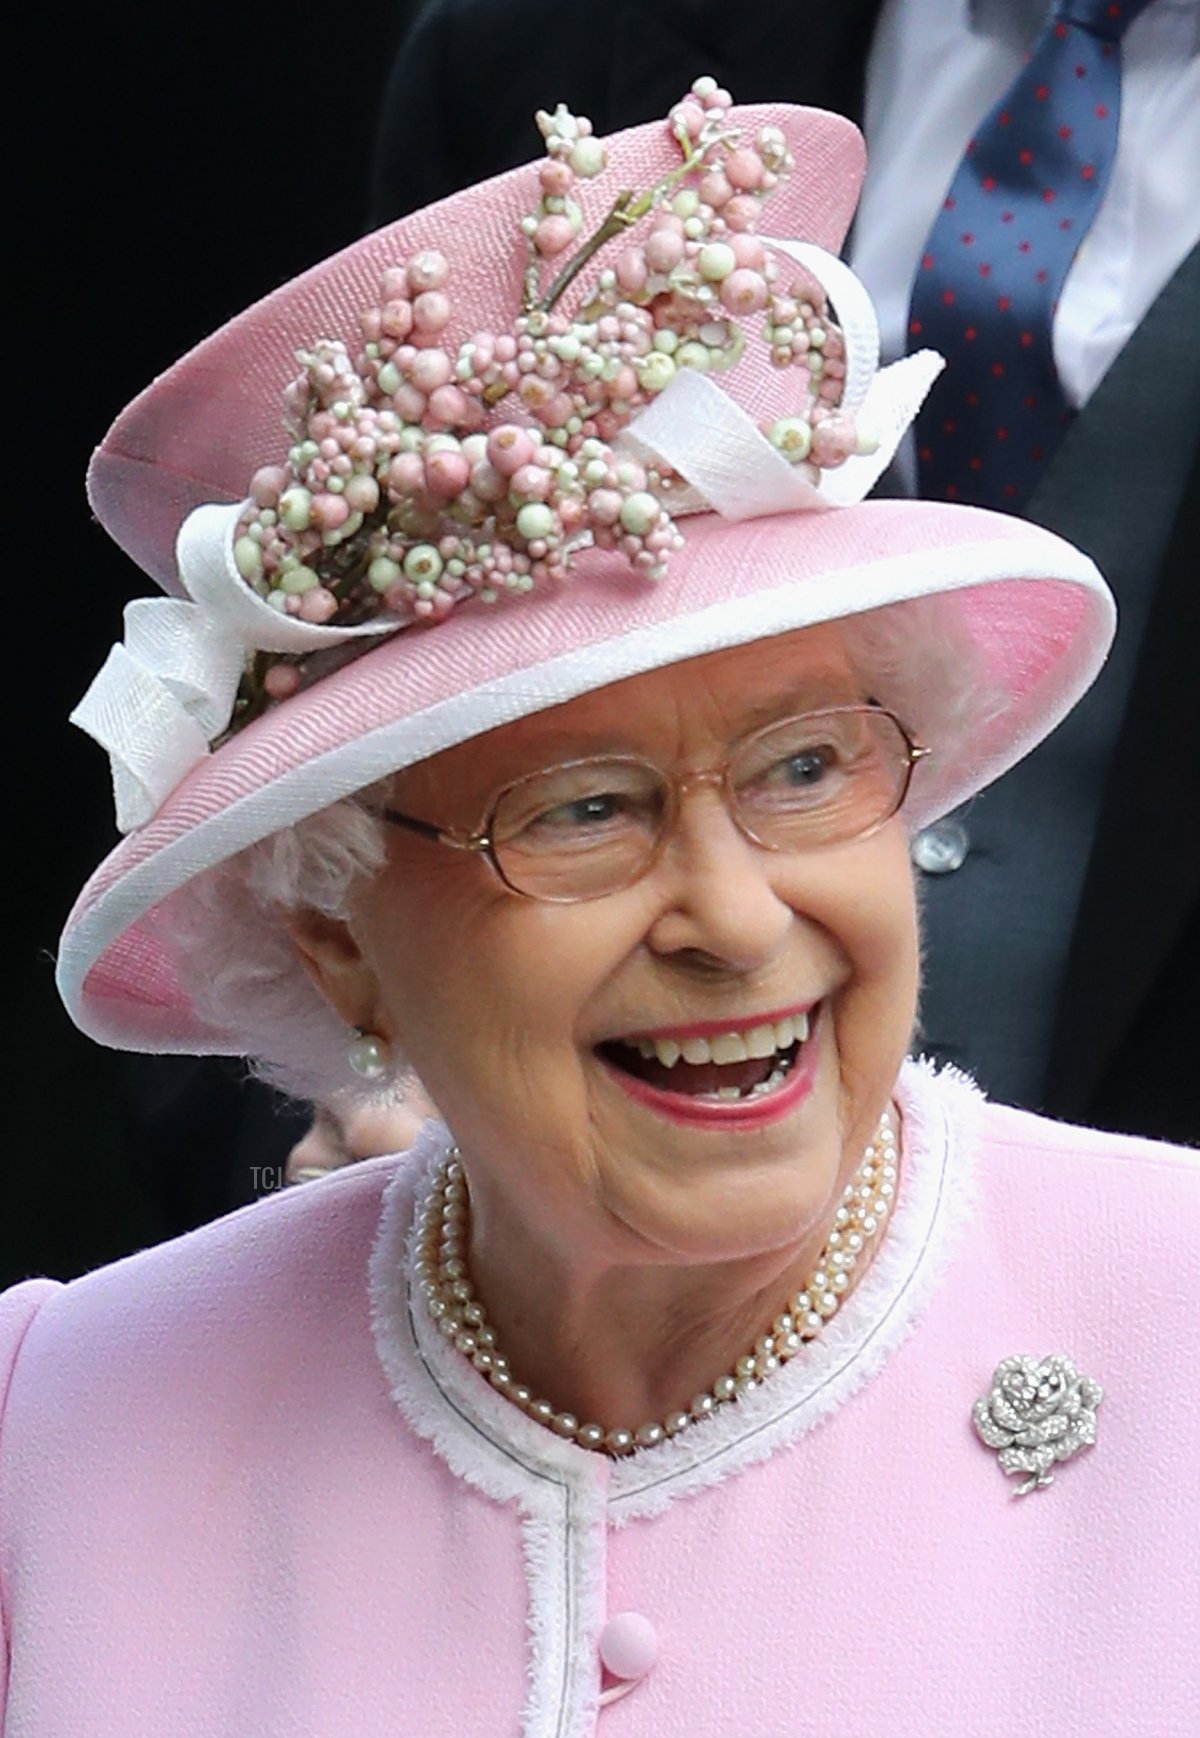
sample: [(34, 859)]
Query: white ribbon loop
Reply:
[(163, 695), (883, 401), (892, 400), (193, 654), (852, 306), (151, 740), (731, 466), (720, 452), (727, 461), (204, 554)]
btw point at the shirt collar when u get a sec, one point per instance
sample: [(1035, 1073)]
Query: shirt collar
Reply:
[(1016, 23)]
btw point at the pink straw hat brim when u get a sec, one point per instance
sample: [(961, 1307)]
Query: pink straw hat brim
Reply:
[(1038, 612)]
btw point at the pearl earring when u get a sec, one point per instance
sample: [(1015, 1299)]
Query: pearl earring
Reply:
[(367, 1054)]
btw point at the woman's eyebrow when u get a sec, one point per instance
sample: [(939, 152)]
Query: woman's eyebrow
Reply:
[(815, 694), (838, 688)]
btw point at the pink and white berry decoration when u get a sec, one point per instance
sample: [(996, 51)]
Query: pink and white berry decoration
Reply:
[(432, 468)]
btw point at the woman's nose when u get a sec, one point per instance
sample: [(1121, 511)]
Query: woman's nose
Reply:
[(716, 889)]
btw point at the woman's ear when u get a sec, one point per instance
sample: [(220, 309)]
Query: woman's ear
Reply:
[(330, 953)]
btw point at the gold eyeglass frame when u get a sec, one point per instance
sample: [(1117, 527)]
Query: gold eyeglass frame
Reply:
[(677, 784)]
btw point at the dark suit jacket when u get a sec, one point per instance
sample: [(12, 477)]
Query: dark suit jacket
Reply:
[(1125, 485)]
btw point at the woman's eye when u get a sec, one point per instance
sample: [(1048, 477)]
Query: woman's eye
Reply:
[(581, 813), (806, 768)]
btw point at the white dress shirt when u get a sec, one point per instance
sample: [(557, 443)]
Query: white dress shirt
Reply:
[(936, 68)]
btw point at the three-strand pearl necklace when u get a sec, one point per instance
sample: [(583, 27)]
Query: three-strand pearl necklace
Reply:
[(441, 1275)]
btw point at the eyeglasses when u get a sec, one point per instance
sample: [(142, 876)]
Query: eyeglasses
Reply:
[(590, 827)]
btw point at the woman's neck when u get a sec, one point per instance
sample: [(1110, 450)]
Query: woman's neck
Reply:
[(626, 1344)]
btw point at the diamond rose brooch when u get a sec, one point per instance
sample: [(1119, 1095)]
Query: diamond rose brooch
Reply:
[(1037, 1412)]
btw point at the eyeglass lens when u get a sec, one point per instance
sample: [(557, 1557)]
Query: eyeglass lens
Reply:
[(581, 830)]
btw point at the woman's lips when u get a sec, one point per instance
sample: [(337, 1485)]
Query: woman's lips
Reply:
[(713, 1028), (738, 1089)]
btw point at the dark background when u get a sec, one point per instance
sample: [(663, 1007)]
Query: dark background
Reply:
[(166, 167)]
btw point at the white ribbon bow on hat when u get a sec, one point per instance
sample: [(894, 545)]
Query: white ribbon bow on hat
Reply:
[(164, 695), (729, 463), (160, 699)]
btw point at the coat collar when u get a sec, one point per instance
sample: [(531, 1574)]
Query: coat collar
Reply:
[(488, 1443)]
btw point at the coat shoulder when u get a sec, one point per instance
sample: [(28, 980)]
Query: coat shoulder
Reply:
[(19, 1307), (1129, 1160), (1121, 1201), (1080, 1207), (216, 1312)]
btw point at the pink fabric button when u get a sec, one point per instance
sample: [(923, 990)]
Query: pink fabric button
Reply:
[(628, 1645)]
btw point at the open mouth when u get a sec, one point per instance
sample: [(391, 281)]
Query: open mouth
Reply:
[(730, 1067)]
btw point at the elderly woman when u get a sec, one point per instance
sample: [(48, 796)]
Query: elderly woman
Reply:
[(686, 1378)]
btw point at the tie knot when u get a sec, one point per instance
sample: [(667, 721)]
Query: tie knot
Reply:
[(1109, 19)]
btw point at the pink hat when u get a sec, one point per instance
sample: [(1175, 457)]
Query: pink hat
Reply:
[(676, 516)]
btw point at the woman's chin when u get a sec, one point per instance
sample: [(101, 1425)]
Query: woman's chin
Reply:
[(706, 1183), (763, 1211)]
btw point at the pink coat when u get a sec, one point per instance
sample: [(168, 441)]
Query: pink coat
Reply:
[(246, 1491)]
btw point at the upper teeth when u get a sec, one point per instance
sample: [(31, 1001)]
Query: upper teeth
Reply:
[(755, 1041)]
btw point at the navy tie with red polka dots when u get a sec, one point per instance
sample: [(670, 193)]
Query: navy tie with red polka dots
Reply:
[(987, 285)]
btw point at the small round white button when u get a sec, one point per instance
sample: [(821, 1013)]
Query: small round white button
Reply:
[(941, 848)]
